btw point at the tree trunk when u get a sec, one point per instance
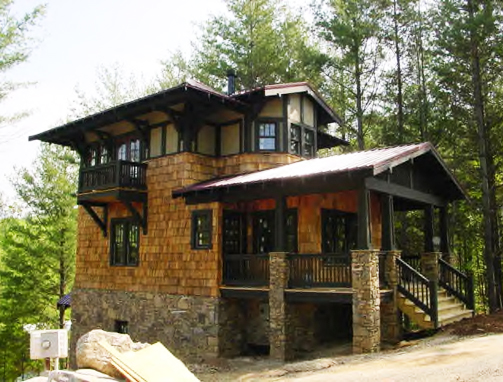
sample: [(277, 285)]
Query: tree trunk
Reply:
[(484, 158), (399, 97), (359, 97)]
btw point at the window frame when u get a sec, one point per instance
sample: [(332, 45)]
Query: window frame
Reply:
[(303, 130), (258, 136), (350, 229), (128, 222), (208, 214)]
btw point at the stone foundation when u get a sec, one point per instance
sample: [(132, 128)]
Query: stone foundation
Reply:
[(366, 301), (186, 325)]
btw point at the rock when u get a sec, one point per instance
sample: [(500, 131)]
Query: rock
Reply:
[(91, 355)]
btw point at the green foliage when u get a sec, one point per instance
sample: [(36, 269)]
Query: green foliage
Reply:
[(37, 252)]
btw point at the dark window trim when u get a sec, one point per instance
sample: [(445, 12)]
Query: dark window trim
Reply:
[(128, 221), (276, 123), (303, 127), (196, 214)]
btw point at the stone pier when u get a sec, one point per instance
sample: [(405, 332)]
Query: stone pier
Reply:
[(429, 265), (390, 315), (366, 301), (278, 316)]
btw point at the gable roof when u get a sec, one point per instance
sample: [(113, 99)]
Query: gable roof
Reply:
[(374, 162)]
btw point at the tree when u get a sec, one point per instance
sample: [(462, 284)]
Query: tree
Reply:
[(15, 46), (351, 32), (261, 40), (37, 251)]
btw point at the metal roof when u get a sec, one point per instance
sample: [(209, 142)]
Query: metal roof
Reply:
[(376, 161)]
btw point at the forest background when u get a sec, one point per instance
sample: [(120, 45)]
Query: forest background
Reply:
[(396, 71)]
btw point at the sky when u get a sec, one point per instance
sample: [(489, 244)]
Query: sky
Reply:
[(72, 41)]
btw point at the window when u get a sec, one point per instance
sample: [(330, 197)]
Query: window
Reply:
[(234, 233), (121, 327), (295, 146), (267, 136), (201, 229), (339, 231), (129, 150), (125, 242), (104, 155), (308, 143), (263, 231)]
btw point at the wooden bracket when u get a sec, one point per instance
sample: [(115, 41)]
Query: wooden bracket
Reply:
[(138, 217), (102, 223)]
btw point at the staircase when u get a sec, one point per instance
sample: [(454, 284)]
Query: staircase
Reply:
[(429, 305), (450, 309)]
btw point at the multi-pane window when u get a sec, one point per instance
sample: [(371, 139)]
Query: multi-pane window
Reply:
[(125, 242), (339, 231), (104, 155), (308, 143), (97, 154), (201, 229), (130, 150), (295, 143), (267, 136), (234, 237)]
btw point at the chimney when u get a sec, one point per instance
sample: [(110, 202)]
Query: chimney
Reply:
[(231, 82)]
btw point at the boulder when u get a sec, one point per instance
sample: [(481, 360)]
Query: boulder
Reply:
[(92, 355)]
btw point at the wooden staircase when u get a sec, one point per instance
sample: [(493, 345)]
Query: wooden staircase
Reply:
[(450, 309)]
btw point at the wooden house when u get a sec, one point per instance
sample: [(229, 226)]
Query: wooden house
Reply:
[(207, 222)]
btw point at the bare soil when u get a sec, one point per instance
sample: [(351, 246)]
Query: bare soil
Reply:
[(400, 362)]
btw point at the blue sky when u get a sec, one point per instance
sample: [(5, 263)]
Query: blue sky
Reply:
[(76, 37)]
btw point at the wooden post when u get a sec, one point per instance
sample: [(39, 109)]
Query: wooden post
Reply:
[(388, 226), (364, 240), (444, 232), (428, 229), (279, 224)]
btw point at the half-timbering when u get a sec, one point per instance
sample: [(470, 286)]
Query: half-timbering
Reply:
[(208, 223)]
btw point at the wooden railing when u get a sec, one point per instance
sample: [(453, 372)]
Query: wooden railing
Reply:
[(413, 260), (319, 270), (246, 270), (114, 174), (456, 283), (417, 288)]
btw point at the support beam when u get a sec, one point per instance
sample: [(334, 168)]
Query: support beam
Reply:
[(279, 226), (102, 223), (403, 192), (364, 238), (136, 214), (444, 231), (428, 228), (388, 224)]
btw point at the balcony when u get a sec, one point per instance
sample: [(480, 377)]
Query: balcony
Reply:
[(113, 175)]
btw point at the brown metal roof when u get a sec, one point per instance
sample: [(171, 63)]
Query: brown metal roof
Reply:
[(376, 161)]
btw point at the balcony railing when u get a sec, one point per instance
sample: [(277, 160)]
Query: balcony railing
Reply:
[(319, 270), (246, 270), (112, 175)]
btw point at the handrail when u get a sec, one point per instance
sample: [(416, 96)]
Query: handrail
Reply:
[(413, 260), (118, 173), (246, 269), (418, 289), (456, 283), (311, 270)]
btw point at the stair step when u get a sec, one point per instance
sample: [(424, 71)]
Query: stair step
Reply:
[(450, 308), (454, 317)]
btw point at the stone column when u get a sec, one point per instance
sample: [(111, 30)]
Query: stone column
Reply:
[(390, 315), (366, 301), (429, 265), (278, 318)]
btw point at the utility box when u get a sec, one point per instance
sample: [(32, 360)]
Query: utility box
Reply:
[(49, 344)]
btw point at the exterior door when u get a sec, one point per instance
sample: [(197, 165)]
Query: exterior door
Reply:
[(234, 233), (263, 232), (339, 231)]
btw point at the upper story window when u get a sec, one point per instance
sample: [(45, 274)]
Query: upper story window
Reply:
[(267, 134), (302, 140), (125, 242), (129, 150), (201, 229), (97, 154)]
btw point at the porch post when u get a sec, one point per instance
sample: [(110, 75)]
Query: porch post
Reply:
[(390, 315), (428, 228), (279, 224), (444, 234), (365, 283), (280, 349)]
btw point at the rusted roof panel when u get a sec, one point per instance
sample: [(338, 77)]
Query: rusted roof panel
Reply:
[(377, 161)]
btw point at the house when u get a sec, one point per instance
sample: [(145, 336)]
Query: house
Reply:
[(208, 223)]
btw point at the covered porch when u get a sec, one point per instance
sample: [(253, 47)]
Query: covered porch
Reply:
[(322, 231)]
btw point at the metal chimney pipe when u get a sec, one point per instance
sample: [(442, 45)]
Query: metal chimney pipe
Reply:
[(231, 82)]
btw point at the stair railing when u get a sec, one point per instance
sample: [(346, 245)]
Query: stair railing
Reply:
[(418, 289), (456, 283)]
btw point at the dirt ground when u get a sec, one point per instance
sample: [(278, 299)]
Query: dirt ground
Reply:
[(459, 352)]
